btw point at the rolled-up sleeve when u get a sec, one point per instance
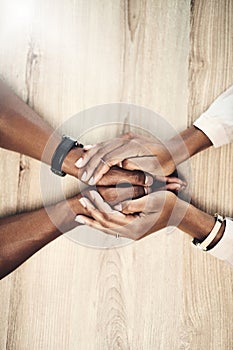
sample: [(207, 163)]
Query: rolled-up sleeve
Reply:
[(217, 121), (224, 249)]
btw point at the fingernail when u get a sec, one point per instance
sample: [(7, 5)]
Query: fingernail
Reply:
[(83, 202), (91, 181), (149, 180), (147, 190), (93, 194), (79, 162), (120, 164), (80, 219), (84, 176), (87, 147), (86, 203), (118, 207), (96, 196)]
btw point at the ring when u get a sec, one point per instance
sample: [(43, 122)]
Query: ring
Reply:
[(103, 161), (117, 235)]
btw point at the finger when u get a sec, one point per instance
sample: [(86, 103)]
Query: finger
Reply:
[(134, 149), (116, 156), (149, 163), (148, 204), (96, 225), (169, 179), (88, 147), (92, 150), (129, 135), (132, 206), (81, 162), (104, 212), (115, 195), (169, 187), (85, 220), (174, 187), (100, 204), (169, 183), (95, 214), (98, 160), (117, 175), (86, 202)]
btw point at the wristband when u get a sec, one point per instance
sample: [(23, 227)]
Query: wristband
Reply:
[(211, 236), (66, 144)]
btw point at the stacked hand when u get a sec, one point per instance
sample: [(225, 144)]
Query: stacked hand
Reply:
[(131, 152), (136, 218), (135, 211)]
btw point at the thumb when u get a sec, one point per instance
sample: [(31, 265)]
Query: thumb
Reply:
[(151, 203), (117, 175)]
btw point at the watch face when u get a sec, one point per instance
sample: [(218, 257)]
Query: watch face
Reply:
[(101, 125)]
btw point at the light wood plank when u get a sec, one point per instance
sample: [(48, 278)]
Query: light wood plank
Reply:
[(208, 303), (146, 295)]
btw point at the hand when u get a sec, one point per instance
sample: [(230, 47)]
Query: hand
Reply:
[(131, 151), (114, 176), (117, 175), (153, 213), (138, 218)]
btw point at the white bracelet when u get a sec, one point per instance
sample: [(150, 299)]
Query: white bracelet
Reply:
[(211, 236)]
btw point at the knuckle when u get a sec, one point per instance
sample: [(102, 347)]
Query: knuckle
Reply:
[(99, 153), (138, 191), (136, 176), (128, 135), (125, 211), (129, 208), (134, 143), (104, 222), (125, 163), (135, 236)]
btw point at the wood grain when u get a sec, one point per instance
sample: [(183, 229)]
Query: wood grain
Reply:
[(159, 293), (208, 293)]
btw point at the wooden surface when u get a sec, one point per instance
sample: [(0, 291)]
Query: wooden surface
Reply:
[(174, 57)]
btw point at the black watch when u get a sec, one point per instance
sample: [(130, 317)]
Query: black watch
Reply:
[(66, 144)]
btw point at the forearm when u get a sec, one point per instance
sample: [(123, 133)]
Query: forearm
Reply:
[(23, 235), (188, 143), (23, 130)]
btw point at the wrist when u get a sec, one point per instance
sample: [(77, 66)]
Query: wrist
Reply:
[(68, 165), (62, 214), (187, 143), (164, 155), (199, 224), (76, 206)]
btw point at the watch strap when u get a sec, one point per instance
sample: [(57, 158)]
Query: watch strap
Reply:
[(211, 236), (66, 144)]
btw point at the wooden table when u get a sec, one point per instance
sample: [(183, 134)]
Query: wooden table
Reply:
[(173, 57)]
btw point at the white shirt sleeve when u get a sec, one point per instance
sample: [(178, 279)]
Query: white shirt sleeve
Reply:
[(217, 121), (224, 249)]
